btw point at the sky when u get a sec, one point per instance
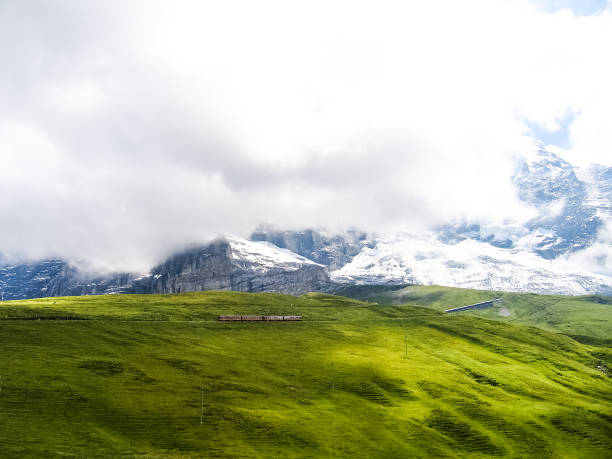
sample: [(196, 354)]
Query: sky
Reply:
[(578, 7), (128, 129)]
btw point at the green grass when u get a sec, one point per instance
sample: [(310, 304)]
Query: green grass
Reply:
[(112, 376), (581, 317)]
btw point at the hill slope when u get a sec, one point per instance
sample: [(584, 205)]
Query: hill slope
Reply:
[(579, 316), (156, 375)]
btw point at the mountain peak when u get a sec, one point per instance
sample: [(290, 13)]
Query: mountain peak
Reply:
[(263, 256)]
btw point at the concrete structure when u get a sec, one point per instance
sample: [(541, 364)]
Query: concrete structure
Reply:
[(483, 305)]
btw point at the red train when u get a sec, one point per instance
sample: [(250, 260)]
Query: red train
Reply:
[(225, 318)]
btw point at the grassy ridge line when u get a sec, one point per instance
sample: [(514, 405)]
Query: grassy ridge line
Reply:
[(198, 306), (467, 387), (583, 316)]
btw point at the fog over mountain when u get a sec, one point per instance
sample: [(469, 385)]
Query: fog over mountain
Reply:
[(129, 130)]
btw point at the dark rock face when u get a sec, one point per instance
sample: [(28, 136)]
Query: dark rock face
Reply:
[(333, 252), (545, 182), (56, 278), (309, 278), (30, 280), (572, 204), (199, 268), (216, 266), (74, 283), (549, 180)]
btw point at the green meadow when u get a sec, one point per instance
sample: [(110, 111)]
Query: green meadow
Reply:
[(159, 376), (586, 318)]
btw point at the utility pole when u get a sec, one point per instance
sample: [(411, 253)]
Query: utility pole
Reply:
[(202, 410)]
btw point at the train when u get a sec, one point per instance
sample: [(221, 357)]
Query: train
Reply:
[(226, 318)]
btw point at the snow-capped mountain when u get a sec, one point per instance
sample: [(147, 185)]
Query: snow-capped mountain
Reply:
[(424, 259), (333, 251), (598, 185), (574, 213), (229, 263), (566, 248), (234, 263), (568, 221), (262, 256), (572, 208)]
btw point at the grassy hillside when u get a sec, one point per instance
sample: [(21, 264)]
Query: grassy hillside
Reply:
[(581, 317), (157, 376)]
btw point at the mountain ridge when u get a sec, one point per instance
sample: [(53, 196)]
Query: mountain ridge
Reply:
[(227, 263), (574, 218)]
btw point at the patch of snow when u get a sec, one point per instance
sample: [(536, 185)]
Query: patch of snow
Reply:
[(467, 264), (145, 276), (263, 256), (598, 185)]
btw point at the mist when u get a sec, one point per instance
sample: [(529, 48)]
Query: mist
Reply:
[(129, 129)]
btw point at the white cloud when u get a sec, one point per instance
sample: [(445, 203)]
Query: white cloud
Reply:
[(596, 258), (129, 128)]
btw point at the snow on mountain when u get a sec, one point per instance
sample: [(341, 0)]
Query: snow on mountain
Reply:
[(229, 263), (573, 224), (261, 256), (545, 177), (598, 185), (234, 263), (331, 250), (566, 248), (571, 208), (423, 259), (567, 221)]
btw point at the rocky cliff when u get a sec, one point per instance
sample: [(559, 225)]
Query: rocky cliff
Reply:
[(234, 263), (56, 278), (229, 263), (332, 251)]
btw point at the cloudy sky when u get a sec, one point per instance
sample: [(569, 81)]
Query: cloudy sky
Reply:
[(128, 128)]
